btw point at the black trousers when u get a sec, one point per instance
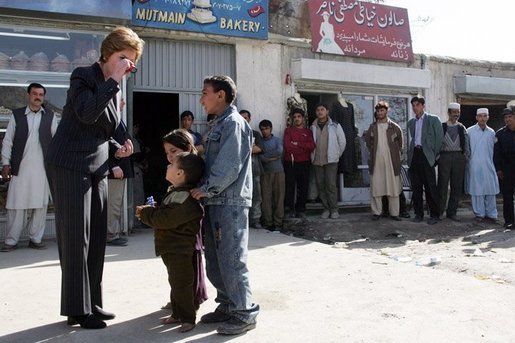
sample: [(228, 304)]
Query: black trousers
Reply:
[(451, 168), (508, 188), (423, 178), (80, 201), (297, 177)]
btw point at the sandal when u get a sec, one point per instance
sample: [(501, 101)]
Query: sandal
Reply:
[(169, 320), (185, 327)]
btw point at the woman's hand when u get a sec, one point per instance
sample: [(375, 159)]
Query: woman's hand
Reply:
[(125, 150), (124, 66)]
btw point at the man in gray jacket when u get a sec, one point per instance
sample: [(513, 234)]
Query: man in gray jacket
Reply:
[(330, 144), (426, 135)]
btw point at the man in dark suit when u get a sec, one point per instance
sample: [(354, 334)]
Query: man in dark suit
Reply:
[(77, 164), (119, 171), (426, 136)]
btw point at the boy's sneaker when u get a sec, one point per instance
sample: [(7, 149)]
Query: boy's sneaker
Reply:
[(234, 326), (325, 214), (215, 317)]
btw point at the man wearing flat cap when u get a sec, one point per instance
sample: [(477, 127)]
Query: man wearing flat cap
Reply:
[(451, 165), (504, 159), (480, 176)]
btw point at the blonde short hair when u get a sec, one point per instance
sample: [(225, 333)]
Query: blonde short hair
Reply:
[(119, 39)]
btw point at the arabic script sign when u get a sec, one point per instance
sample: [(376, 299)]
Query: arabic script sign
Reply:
[(361, 29), (246, 18)]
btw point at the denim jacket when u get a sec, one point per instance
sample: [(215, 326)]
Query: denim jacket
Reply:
[(228, 174)]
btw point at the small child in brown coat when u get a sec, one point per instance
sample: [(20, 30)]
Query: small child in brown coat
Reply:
[(176, 224)]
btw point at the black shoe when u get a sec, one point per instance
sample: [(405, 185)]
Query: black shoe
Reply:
[(8, 247), (121, 242), (99, 313), (87, 321), (418, 219), (508, 226), (37, 246), (396, 218), (234, 326), (301, 215), (405, 215), (271, 228), (376, 217), (492, 220), (453, 217), (215, 317), (433, 220)]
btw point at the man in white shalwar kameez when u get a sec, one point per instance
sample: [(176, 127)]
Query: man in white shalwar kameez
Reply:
[(28, 133), (481, 180)]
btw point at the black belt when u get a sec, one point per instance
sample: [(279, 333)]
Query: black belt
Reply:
[(418, 146)]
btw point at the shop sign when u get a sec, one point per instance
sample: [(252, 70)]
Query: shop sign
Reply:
[(245, 18), (119, 9), (361, 29)]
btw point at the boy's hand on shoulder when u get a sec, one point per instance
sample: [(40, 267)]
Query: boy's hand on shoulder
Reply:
[(198, 194)]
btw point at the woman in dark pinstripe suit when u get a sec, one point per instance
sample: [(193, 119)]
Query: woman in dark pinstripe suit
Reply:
[(77, 168)]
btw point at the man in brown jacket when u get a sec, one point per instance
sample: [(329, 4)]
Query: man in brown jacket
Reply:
[(384, 141)]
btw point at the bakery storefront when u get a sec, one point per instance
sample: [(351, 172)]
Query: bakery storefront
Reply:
[(42, 42), (185, 41)]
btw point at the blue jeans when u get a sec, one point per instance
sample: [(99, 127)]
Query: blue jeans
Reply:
[(226, 246)]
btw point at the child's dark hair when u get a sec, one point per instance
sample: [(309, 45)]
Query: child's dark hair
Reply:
[(187, 114), (265, 123), (222, 83), (180, 138), (323, 105), (193, 166)]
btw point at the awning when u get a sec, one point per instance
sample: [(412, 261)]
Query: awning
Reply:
[(484, 87), (359, 75)]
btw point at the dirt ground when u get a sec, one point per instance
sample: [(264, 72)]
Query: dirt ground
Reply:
[(484, 250)]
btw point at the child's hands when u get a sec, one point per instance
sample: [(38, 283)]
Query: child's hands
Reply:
[(138, 210)]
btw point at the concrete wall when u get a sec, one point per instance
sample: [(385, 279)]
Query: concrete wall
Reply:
[(443, 70), (260, 84)]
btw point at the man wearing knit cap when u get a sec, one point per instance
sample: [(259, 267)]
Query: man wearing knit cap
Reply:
[(504, 159), (480, 176), (451, 166)]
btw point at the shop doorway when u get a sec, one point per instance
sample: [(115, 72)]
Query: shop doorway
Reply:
[(156, 114)]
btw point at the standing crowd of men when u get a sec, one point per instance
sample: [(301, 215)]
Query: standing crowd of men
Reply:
[(445, 160), (471, 160)]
